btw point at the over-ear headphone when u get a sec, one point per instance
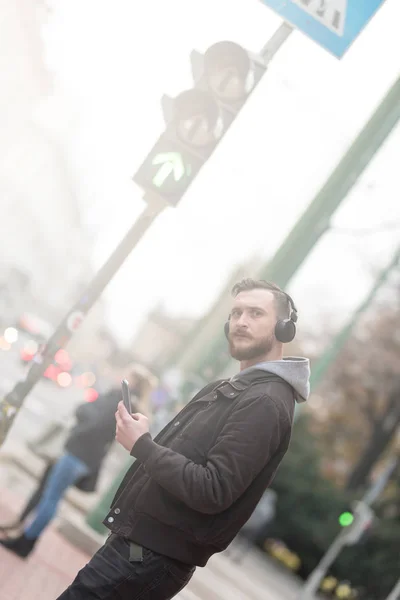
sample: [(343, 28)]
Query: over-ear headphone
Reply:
[(285, 329)]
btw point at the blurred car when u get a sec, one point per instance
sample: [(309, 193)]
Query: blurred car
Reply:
[(28, 335), (27, 328), (31, 334), (59, 370), (24, 336)]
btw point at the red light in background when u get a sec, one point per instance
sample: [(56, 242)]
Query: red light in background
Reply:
[(90, 395), (29, 350), (51, 372), (88, 379), (28, 324), (62, 358), (78, 381)]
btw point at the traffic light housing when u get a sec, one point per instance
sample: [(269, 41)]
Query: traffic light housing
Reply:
[(197, 119)]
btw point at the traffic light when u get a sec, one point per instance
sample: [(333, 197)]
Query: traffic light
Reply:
[(346, 518), (360, 521), (196, 120)]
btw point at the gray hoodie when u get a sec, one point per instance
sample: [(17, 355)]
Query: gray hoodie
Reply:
[(293, 369)]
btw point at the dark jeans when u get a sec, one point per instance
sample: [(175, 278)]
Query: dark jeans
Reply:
[(109, 575)]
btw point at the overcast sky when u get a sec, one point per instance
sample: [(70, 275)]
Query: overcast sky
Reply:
[(114, 59)]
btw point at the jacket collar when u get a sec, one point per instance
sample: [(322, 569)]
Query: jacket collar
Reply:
[(231, 389), (222, 387)]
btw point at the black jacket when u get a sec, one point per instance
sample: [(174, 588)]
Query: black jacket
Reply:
[(94, 431), (192, 489)]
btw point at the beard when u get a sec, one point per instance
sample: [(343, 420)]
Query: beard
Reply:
[(252, 350)]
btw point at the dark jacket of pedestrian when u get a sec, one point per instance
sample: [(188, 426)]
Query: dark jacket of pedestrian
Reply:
[(193, 488), (94, 431)]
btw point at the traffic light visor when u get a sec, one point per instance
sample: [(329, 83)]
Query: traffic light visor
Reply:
[(229, 71), (196, 116)]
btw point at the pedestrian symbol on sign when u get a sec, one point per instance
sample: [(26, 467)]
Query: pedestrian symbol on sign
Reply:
[(331, 13)]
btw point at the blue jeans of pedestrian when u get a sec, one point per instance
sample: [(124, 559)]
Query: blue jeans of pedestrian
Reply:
[(67, 471)]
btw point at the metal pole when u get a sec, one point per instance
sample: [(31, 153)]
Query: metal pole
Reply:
[(312, 584), (12, 402), (377, 488), (320, 367), (280, 36), (395, 593), (315, 221)]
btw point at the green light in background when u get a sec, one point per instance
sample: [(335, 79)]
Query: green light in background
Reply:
[(346, 519)]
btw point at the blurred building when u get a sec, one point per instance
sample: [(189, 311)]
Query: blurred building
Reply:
[(24, 80), (159, 338), (45, 250), (200, 353)]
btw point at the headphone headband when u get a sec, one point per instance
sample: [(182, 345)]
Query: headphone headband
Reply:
[(293, 316)]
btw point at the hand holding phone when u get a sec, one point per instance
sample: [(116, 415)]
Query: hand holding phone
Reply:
[(126, 396)]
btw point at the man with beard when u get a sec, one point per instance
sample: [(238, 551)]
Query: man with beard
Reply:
[(194, 486)]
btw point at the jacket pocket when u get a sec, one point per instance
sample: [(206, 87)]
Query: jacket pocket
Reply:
[(153, 501)]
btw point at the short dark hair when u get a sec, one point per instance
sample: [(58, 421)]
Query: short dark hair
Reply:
[(282, 302)]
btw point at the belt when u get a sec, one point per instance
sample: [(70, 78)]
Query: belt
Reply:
[(135, 551)]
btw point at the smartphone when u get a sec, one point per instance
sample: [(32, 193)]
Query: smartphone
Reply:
[(126, 396)]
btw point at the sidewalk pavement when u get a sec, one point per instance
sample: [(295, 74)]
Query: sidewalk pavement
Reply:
[(66, 546), (47, 572)]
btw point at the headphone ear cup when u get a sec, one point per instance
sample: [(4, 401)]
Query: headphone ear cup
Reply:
[(226, 330), (285, 330)]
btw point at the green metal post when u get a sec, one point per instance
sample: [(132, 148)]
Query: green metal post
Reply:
[(316, 219), (329, 356)]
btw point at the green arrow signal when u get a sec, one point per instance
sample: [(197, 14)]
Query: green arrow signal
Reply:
[(171, 163)]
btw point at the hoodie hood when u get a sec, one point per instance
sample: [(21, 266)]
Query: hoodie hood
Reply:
[(295, 370)]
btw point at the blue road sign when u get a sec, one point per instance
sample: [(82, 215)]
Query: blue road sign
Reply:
[(334, 24)]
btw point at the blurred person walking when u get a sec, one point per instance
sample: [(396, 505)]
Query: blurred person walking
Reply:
[(194, 486), (85, 449)]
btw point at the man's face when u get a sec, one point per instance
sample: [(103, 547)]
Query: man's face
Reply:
[(252, 325)]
